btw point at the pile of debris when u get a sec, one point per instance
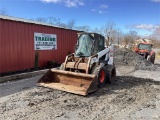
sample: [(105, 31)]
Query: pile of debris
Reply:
[(130, 58)]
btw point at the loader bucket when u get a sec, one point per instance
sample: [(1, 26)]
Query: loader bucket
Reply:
[(77, 83)]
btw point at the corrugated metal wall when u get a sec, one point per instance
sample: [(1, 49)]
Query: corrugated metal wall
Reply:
[(17, 45)]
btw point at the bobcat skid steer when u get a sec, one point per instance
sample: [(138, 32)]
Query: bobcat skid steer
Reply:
[(83, 72)]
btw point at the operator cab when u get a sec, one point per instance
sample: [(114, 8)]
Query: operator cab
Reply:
[(89, 44)]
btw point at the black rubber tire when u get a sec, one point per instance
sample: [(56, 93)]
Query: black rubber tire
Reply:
[(111, 73), (102, 76), (152, 58), (95, 69)]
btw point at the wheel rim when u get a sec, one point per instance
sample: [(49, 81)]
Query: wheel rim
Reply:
[(102, 76)]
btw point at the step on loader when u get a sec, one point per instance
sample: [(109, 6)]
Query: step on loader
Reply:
[(83, 72)]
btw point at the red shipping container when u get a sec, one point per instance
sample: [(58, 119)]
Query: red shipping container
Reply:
[(17, 44)]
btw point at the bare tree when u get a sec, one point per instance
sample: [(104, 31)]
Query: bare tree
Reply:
[(129, 38), (119, 36), (133, 34), (71, 24), (156, 43), (97, 30), (3, 11), (83, 28), (109, 31), (53, 21), (63, 25), (156, 34), (41, 19), (56, 21)]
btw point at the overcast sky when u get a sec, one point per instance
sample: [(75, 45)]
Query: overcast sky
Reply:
[(140, 15)]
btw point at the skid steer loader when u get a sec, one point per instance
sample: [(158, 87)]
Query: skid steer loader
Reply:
[(82, 72)]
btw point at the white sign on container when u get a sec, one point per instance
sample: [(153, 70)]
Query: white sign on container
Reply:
[(44, 41)]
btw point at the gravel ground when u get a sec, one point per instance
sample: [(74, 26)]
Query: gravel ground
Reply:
[(134, 95), (12, 87), (127, 98)]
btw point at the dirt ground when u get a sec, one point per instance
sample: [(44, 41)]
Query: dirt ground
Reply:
[(134, 95)]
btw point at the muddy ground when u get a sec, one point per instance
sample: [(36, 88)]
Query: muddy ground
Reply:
[(134, 95)]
